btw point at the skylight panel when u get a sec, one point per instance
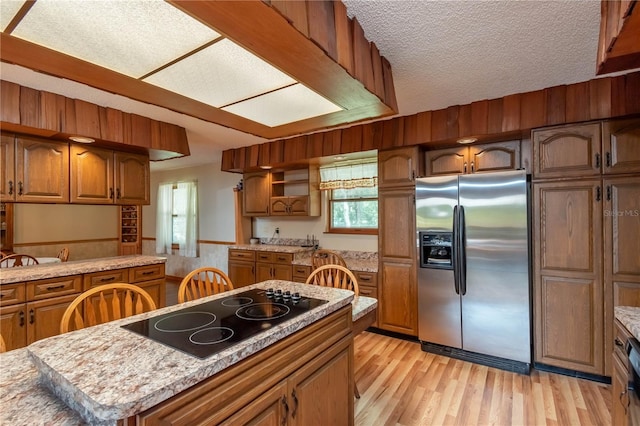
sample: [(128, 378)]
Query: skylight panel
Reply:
[(221, 74), (130, 37), (284, 106)]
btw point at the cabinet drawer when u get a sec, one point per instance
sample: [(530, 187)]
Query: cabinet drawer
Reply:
[(146, 273), (366, 278), (11, 294), (44, 289), (283, 258), (368, 291), (106, 277), (265, 256), (301, 271), (621, 335), (242, 255)]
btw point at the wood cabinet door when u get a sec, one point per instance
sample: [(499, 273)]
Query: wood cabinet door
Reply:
[(264, 271), (568, 288), (398, 302), (13, 326), (7, 167), (256, 194), (621, 146), (567, 151), (494, 157), (299, 206), (281, 272), (279, 206), (42, 171), (91, 175), (269, 409), (321, 392), (619, 393), (131, 178), (396, 219), (156, 289), (451, 161), (43, 317), (242, 273), (397, 167)]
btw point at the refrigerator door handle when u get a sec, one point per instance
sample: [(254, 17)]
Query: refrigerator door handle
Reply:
[(462, 252), (454, 254)]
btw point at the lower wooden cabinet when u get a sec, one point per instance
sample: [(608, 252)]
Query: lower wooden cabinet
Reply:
[(32, 311), (397, 287), (242, 267), (304, 379), (620, 377), (25, 323)]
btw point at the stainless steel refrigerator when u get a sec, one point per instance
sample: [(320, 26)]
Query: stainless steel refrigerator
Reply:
[(474, 297)]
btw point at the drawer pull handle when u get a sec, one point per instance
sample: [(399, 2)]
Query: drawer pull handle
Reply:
[(618, 342), (21, 316), (104, 280), (32, 316), (55, 287), (295, 404), (148, 273), (365, 278), (365, 292)]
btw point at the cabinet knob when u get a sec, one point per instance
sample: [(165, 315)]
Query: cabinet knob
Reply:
[(618, 342)]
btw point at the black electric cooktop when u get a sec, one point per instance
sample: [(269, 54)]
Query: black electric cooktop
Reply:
[(205, 329)]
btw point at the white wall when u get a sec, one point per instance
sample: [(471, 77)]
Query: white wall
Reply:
[(215, 201)]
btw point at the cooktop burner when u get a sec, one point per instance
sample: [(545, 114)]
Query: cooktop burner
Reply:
[(213, 326)]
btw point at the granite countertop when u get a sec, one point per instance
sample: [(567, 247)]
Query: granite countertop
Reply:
[(64, 269), (272, 247), (80, 367), (23, 401), (629, 316), (362, 261)]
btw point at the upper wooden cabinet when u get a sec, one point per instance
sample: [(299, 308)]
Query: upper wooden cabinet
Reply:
[(397, 167), (618, 47), (34, 170), (621, 146), (256, 192), (567, 151), (102, 176), (609, 147), (282, 193), (473, 159)]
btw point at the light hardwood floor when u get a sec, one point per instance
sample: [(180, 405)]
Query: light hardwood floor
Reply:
[(402, 385)]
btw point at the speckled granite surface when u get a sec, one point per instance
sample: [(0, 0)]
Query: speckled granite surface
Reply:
[(363, 261), (362, 305), (273, 247), (107, 372), (629, 316), (53, 270)]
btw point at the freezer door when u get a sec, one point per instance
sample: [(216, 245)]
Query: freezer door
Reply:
[(496, 306), (439, 318)]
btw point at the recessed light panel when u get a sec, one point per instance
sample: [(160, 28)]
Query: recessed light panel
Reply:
[(221, 74), (8, 10), (284, 106), (130, 37)]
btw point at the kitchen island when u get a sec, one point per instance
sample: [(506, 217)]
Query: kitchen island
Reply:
[(107, 373)]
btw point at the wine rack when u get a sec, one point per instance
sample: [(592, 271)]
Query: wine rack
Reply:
[(130, 230)]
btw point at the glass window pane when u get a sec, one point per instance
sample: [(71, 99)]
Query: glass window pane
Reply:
[(354, 214)]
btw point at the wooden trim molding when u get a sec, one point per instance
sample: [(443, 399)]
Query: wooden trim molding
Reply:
[(491, 120), (39, 113), (53, 243)]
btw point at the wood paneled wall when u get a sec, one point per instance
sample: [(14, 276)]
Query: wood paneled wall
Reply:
[(493, 119), (40, 113)]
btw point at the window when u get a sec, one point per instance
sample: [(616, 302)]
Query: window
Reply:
[(354, 209), (177, 218), (353, 197)]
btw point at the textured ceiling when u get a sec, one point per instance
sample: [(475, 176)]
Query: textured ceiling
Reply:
[(442, 53)]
